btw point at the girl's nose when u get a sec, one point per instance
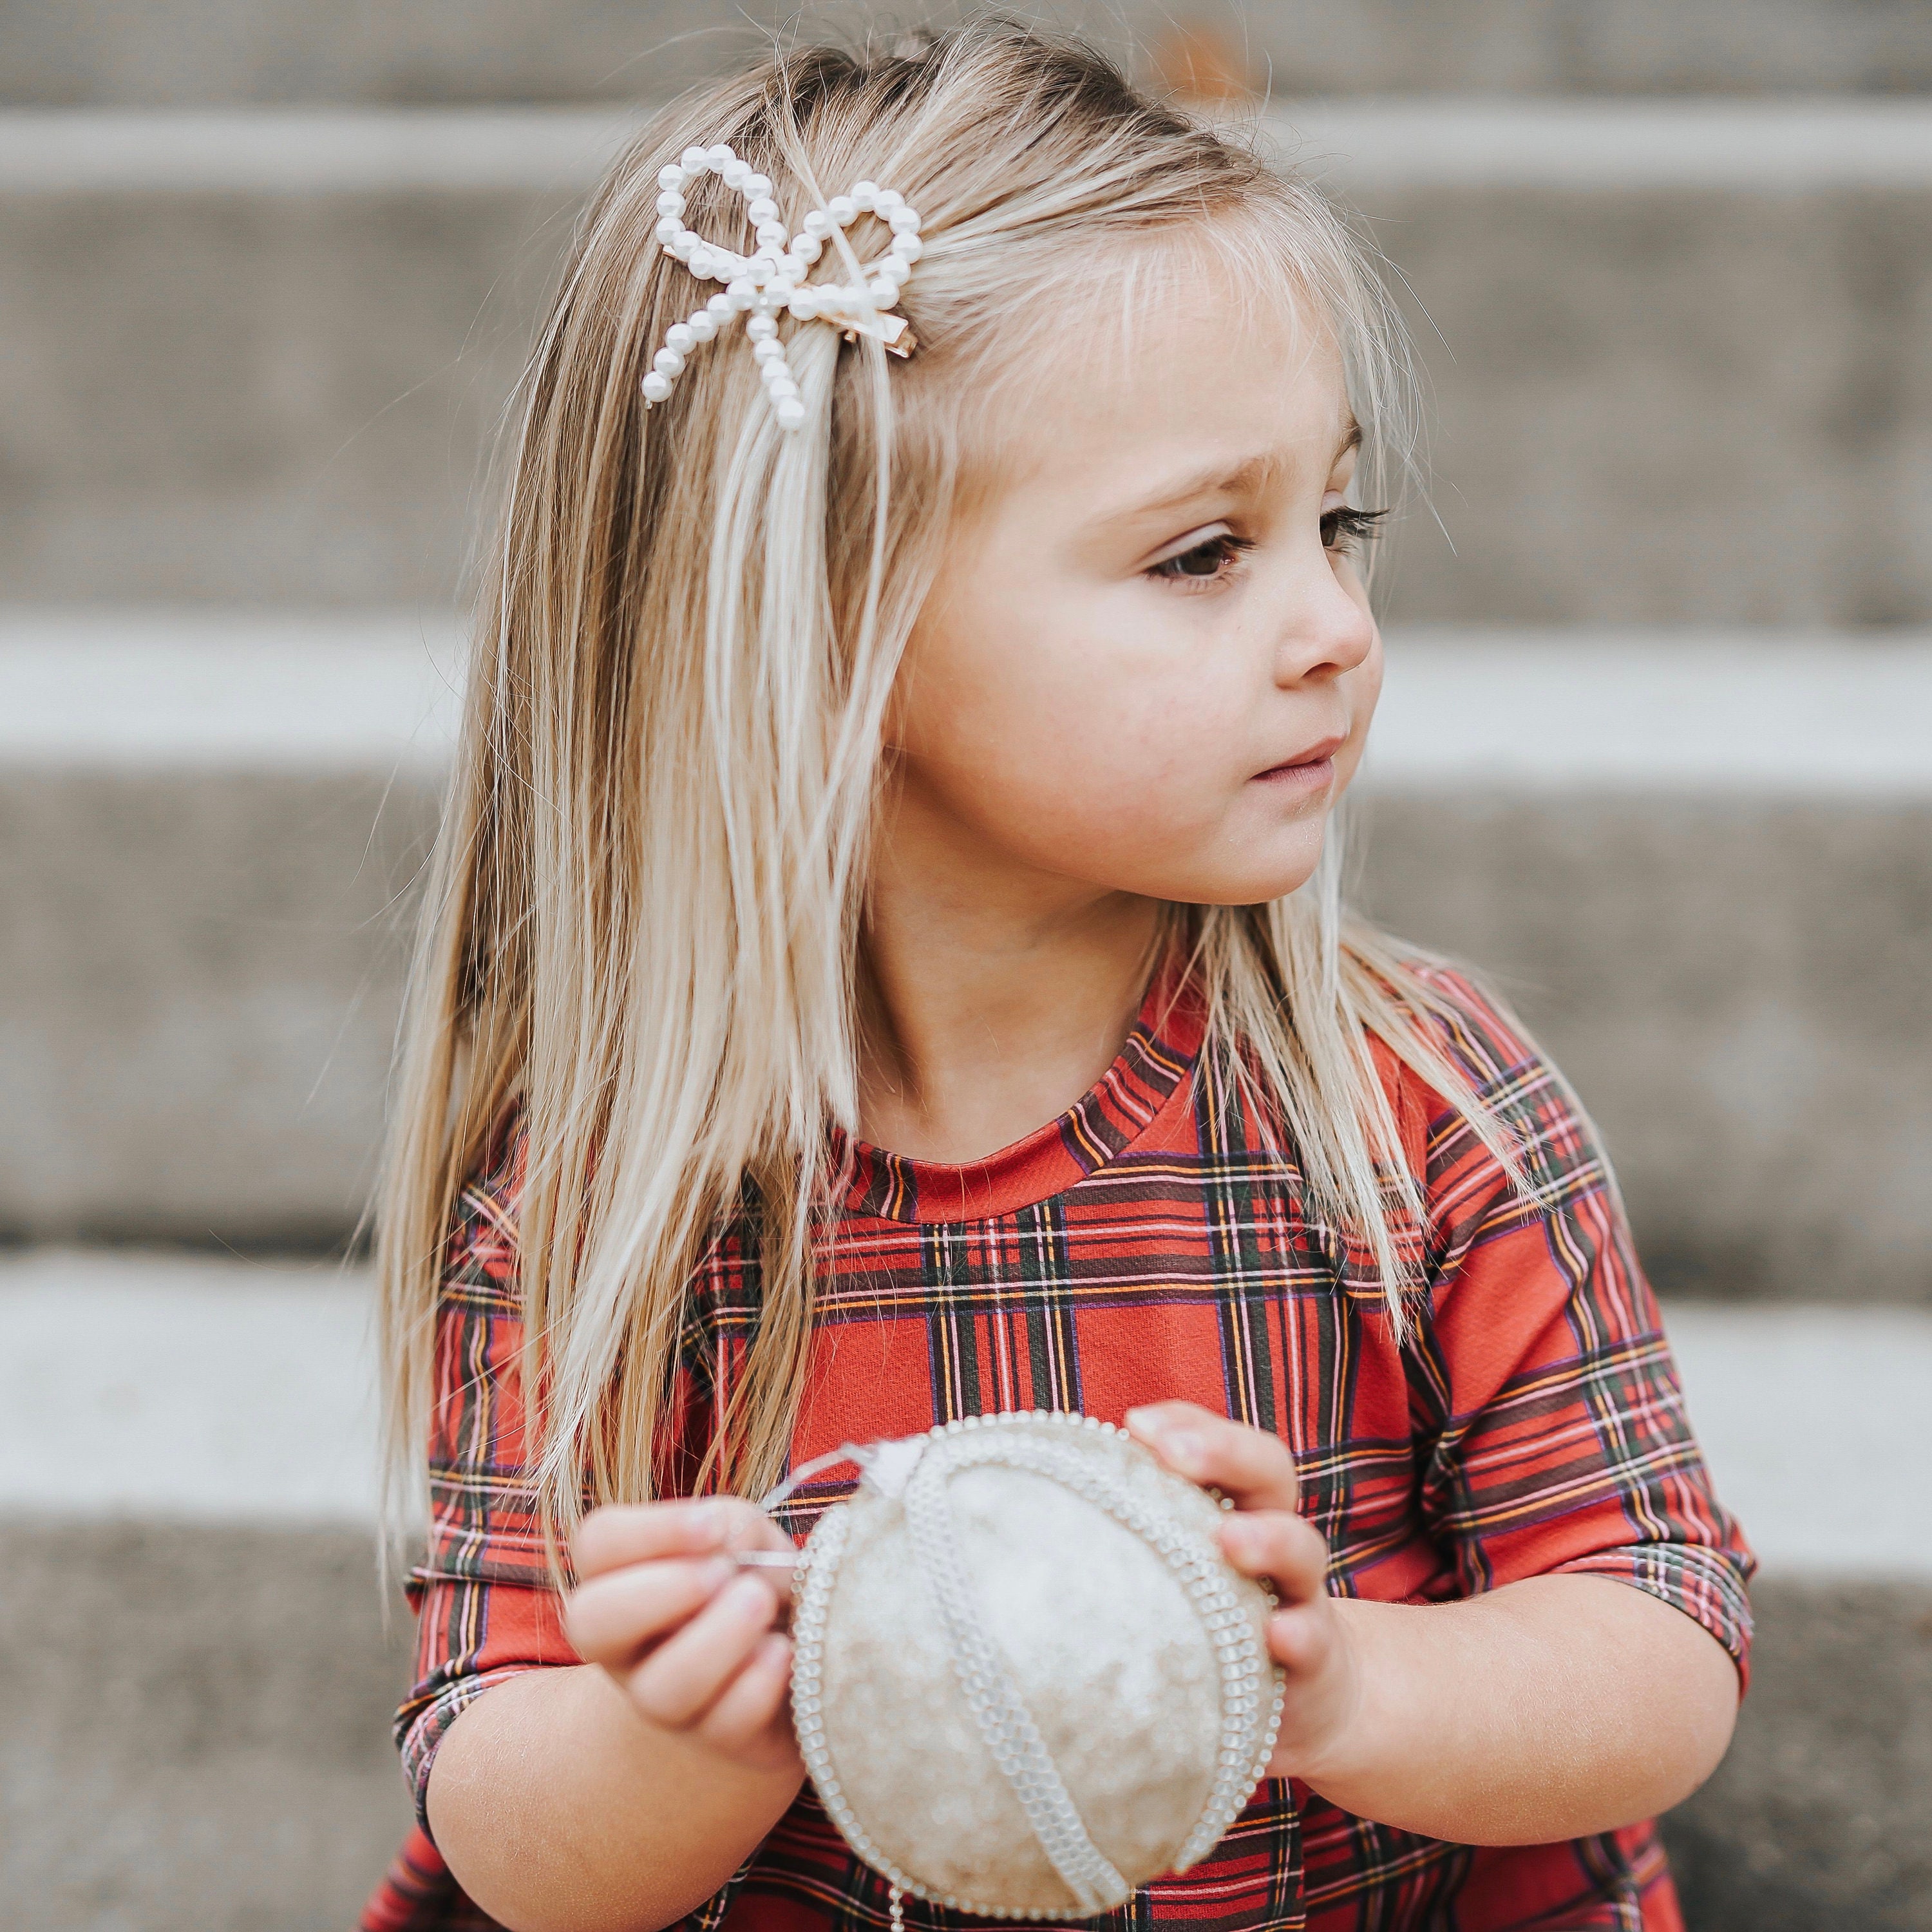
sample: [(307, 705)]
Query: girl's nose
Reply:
[(1326, 630)]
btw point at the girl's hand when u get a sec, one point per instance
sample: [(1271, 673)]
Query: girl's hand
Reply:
[(1264, 1538), (688, 1637)]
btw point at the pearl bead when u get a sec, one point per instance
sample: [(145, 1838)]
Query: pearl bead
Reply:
[(694, 161), (670, 202), (884, 294), (886, 203), (843, 209), (742, 292), (905, 220), (757, 185), (773, 235), (684, 244), (667, 362), (736, 172), (702, 326), (669, 229), (781, 288), (896, 270), (767, 351), (805, 305), (761, 209), (656, 388), (722, 306), (790, 413), (761, 328), (908, 247), (807, 247), (818, 224), (865, 195), (670, 175), (718, 155), (680, 336), (784, 390)]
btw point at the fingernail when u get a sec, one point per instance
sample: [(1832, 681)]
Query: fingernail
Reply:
[(717, 1573), (1186, 1452), (1237, 1538), (747, 1596), (704, 1523)]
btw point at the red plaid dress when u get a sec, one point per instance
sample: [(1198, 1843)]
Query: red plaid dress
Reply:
[(1147, 1245)]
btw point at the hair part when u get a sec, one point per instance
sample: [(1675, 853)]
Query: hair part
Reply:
[(644, 912)]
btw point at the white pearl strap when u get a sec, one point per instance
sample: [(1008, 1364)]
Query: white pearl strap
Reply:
[(773, 280), (997, 1704)]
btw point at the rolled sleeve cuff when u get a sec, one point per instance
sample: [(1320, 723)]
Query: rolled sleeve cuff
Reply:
[(422, 1724), (1707, 1584)]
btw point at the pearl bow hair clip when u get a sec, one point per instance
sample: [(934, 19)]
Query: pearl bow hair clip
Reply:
[(761, 285)]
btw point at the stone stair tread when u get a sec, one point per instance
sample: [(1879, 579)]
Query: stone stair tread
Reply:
[(1769, 146), (201, 1388), (1843, 714), (222, 689), (1502, 708)]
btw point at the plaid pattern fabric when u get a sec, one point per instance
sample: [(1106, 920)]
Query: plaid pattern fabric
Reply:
[(1149, 1244)]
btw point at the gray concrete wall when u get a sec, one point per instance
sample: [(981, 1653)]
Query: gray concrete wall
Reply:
[(103, 51), (203, 978), (1684, 377), (1738, 988), (193, 1737), (203, 971), (194, 1728)]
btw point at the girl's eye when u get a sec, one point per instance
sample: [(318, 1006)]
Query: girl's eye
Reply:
[(1344, 528), (1213, 557)]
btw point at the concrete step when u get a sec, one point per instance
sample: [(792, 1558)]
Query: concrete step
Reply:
[(92, 51), (195, 1692), (1702, 865), (1678, 349)]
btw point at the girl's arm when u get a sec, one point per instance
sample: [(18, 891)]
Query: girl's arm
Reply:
[(1553, 1708), (618, 1796)]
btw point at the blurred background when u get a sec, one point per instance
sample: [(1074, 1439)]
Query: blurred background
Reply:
[(1657, 753)]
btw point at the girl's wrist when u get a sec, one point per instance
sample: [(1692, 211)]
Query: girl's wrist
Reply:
[(1364, 1732)]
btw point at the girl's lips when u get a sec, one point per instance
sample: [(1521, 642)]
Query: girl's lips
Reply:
[(1314, 768), (1312, 774)]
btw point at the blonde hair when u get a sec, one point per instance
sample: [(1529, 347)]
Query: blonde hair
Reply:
[(644, 913)]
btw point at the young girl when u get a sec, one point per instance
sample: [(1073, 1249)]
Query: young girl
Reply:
[(885, 964)]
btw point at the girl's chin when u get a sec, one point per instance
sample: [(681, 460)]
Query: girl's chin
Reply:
[(1245, 888)]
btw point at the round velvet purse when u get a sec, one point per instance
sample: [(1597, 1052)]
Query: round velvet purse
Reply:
[(1026, 1680)]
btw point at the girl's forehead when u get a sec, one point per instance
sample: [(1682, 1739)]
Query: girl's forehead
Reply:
[(1193, 366)]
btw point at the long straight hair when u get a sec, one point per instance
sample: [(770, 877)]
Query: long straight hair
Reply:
[(644, 915)]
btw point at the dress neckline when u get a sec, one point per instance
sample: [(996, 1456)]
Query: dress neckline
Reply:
[(1159, 1050)]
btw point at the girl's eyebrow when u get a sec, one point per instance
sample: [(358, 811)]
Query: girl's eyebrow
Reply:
[(1241, 478)]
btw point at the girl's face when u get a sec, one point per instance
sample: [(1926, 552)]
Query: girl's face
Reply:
[(1148, 664)]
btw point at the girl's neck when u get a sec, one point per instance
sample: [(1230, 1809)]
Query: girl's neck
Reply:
[(992, 997)]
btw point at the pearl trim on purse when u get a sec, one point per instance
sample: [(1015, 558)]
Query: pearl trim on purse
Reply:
[(919, 1470)]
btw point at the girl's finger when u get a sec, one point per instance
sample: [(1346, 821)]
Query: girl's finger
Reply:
[(1254, 1467), (746, 1708), (626, 1533), (680, 1680), (613, 1617), (1301, 1639), (1286, 1550)]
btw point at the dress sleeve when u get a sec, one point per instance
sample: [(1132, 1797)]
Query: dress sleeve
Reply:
[(487, 1608), (1560, 1440)]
